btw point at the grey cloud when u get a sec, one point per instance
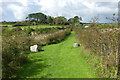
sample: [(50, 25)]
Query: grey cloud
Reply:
[(108, 4), (68, 10)]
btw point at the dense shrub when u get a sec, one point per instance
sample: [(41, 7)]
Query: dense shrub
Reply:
[(47, 30), (3, 26), (13, 57), (17, 29), (78, 25), (18, 24), (16, 42), (51, 38), (102, 43), (13, 32), (23, 23)]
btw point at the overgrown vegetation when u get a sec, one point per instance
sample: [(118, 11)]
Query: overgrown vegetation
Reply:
[(13, 56), (16, 43), (52, 38), (102, 43)]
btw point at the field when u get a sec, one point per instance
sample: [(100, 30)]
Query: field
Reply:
[(33, 26), (58, 58), (40, 26), (58, 61), (60, 39)]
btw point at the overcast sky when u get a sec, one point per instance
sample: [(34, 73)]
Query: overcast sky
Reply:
[(17, 10)]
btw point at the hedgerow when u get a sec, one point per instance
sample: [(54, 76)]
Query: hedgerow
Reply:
[(102, 43), (16, 42)]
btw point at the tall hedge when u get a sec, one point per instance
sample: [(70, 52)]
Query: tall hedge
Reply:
[(102, 43)]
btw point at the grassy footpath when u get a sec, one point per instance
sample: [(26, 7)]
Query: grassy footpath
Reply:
[(58, 61)]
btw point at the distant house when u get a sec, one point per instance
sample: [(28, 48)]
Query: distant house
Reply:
[(86, 26)]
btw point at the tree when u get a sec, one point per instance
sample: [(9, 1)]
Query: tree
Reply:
[(70, 21), (74, 20), (41, 18), (60, 20), (49, 20), (114, 19), (95, 19), (77, 19), (38, 17)]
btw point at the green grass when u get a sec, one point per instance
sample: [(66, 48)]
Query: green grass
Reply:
[(34, 26), (58, 61), (6, 25), (40, 26)]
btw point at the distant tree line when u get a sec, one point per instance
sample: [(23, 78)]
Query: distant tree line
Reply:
[(40, 18)]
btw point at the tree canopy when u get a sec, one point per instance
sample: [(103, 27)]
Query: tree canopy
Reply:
[(41, 18), (60, 20)]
